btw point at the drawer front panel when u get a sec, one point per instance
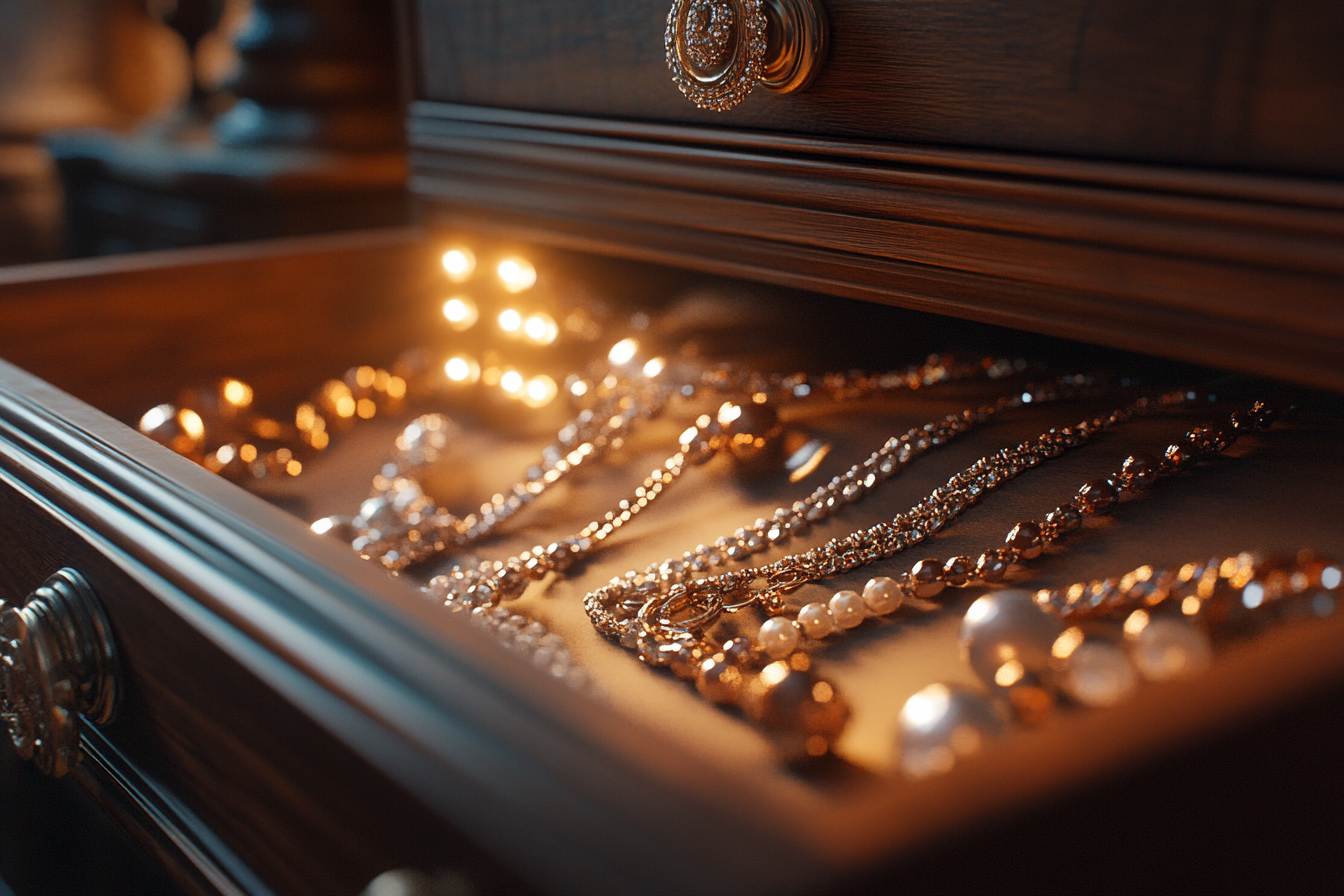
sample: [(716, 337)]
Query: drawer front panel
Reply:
[(233, 786), (1239, 84)]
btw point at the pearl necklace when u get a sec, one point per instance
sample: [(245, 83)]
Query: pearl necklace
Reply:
[(666, 622), (1091, 643)]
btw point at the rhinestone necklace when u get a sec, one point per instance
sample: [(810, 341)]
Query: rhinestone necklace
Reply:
[(400, 525)]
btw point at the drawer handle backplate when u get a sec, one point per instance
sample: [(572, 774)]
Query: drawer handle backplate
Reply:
[(719, 50), (58, 662)]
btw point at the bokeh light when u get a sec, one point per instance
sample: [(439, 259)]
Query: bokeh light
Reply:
[(460, 312), (516, 274), (458, 264)]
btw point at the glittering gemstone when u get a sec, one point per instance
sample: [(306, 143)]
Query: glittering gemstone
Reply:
[(1025, 539), (941, 724), (926, 578), (1007, 627), (957, 571), (1097, 496), (993, 565)]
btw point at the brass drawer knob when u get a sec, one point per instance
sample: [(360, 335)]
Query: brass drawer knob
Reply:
[(719, 50), (57, 662)]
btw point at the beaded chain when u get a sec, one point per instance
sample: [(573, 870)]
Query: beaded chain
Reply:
[(400, 525), (1092, 643), (640, 612)]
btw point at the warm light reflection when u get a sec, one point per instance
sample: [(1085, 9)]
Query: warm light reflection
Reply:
[(541, 328), (1009, 674), (462, 369), (237, 393), (539, 391), (510, 321), (155, 417), (623, 352), (579, 387), (191, 423), (925, 709), (322, 526), (654, 367), (460, 312), (728, 412), (1067, 643), (802, 462), (458, 264), (516, 274), (511, 381)]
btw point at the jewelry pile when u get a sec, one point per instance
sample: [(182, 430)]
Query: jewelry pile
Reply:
[(1087, 645)]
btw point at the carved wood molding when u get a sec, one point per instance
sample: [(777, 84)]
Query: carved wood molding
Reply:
[(1244, 271)]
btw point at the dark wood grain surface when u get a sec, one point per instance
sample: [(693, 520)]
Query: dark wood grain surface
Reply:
[(1238, 271), (1244, 84)]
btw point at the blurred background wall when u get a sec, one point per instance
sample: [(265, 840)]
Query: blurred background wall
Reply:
[(294, 127)]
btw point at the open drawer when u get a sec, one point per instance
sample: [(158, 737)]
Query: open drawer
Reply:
[(294, 719)]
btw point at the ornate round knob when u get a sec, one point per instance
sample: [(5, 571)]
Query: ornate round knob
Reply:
[(719, 50), (57, 662)]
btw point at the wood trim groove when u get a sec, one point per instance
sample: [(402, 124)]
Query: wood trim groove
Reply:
[(1242, 271)]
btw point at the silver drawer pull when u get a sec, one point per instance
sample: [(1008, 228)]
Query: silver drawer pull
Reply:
[(57, 662), (719, 50)]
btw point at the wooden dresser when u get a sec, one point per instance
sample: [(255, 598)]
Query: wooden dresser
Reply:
[(1116, 183)]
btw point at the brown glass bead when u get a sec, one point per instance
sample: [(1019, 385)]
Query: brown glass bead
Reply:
[(1139, 471), (719, 680), (1263, 416), (993, 565), (1097, 496), (926, 578), (791, 699), (741, 652), (1025, 539), (957, 571), (685, 661), (1203, 439), (1225, 434), (1179, 456), (1064, 519), (749, 435), (703, 444)]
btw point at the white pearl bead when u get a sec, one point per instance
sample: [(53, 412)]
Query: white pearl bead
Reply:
[(847, 608), (1167, 648), (816, 621), (882, 595), (778, 637), (940, 724), (1007, 626), (1097, 673)]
